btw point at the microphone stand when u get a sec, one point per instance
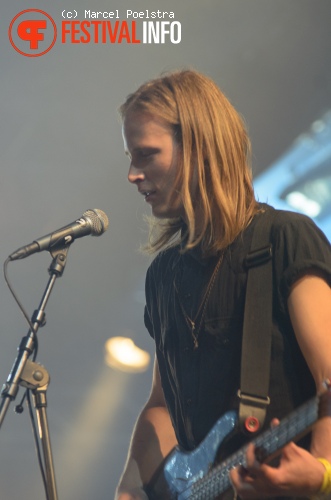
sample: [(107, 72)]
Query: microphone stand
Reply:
[(34, 376)]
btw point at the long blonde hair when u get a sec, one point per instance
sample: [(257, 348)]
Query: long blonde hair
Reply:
[(215, 149)]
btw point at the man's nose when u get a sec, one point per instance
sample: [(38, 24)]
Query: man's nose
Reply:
[(135, 174)]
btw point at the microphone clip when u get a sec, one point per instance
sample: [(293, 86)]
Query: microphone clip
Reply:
[(59, 260)]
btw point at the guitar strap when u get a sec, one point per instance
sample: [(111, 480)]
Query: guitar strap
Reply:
[(256, 343)]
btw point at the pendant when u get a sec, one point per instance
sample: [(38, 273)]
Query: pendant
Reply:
[(195, 337)]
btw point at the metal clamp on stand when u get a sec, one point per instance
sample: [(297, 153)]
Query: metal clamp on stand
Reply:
[(36, 378)]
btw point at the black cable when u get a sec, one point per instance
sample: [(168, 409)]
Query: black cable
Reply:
[(25, 314)]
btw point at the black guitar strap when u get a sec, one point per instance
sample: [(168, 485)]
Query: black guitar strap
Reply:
[(256, 343)]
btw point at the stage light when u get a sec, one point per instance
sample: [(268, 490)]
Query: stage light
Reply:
[(122, 354), (300, 179), (299, 201)]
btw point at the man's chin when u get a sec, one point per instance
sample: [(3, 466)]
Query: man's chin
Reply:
[(164, 213)]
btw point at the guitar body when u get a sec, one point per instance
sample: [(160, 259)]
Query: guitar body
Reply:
[(182, 469)]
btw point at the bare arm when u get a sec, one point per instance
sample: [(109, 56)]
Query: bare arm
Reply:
[(299, 473), (310, 310), (152, 439)]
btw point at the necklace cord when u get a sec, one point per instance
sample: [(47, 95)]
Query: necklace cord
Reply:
[(191, 323)]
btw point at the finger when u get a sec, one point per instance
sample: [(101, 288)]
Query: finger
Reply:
[(242, 483), (238, 477), (252, 464)]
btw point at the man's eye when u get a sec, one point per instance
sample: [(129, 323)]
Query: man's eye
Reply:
[(146, 154), (143, 155)]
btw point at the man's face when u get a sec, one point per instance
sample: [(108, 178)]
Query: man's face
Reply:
[(153, 153)]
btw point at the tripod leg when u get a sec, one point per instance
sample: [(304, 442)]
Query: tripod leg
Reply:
[(40, 403)]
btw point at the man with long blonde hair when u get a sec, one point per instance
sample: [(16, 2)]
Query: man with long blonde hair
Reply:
[(190, 159)]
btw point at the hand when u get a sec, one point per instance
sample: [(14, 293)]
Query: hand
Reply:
[(132, 494), (298, 474)]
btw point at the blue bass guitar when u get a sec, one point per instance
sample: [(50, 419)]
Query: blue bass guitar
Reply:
[(194, 475)]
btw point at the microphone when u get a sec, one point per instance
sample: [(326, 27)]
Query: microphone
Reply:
[(94, 222)]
